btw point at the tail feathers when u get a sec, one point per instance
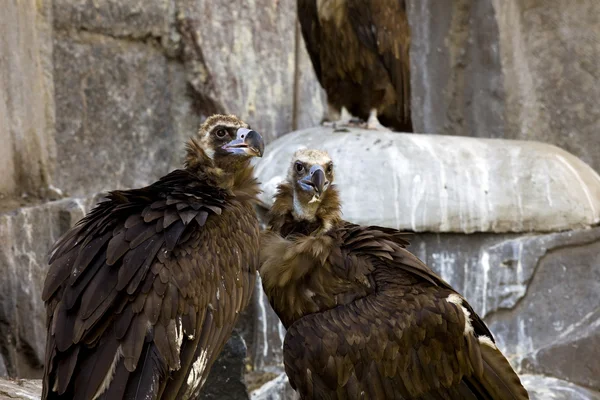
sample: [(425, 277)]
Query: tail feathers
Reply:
[(146, 381), (499, 378)]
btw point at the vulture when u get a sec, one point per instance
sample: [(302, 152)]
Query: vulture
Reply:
[(142, 294), (359, 50), (365, 318)]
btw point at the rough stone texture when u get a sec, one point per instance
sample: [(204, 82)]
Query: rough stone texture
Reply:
[(249, 54), (25, 237), (26, 99), (440, 183), (226, 378), (114, 119), (268, 334), (20, 389), (516, 69), (277, 389), (132, 18), (544, 388)]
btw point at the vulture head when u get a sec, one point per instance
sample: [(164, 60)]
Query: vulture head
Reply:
[(311, 175), (225, 141)]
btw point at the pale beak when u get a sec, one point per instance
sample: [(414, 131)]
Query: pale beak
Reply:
[(246, 142)]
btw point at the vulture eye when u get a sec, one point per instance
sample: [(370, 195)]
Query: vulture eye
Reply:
[(329, 168), (221, 133), (299, 167)]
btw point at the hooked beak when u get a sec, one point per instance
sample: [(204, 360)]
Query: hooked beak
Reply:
[(246, 142), (316, 181)]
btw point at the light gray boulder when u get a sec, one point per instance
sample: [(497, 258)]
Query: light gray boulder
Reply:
[(434, 183)]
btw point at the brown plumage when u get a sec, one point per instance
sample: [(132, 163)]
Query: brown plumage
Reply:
[(143, 292), (365, 318), (360, 53)]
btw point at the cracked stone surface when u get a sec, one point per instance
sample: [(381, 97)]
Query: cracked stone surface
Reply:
[(122, 113), (25, 238)]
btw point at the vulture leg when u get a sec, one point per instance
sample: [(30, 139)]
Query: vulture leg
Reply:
[(344, 118), (374, 124)]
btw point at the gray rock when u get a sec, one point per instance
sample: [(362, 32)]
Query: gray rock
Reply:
[(132, 18), (440, 183), (277, 389), (20, 389), (311, 100), (226, 378), (545, 388), (27, 153), (555, 328), (115, 122), (268, 334), (506, 69), (25, 238)]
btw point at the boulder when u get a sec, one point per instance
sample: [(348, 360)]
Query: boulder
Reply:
[(513, 69), (434, 183)]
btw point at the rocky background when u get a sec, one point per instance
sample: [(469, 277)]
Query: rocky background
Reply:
[(101, 94)]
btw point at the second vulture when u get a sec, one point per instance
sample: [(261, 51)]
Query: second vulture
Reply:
[(365, 318), (360, 53)]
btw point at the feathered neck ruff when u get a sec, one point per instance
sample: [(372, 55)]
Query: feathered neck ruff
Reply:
[(235, 177), (282, 218)]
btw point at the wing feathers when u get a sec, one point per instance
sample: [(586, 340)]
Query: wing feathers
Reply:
[(124, 293)]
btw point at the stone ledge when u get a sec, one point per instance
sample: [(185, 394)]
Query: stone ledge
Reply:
[(435, 183)]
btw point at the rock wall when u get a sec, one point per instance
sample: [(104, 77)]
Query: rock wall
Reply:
[(513, 69)]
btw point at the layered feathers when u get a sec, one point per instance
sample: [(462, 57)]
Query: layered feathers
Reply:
[(366, 318)]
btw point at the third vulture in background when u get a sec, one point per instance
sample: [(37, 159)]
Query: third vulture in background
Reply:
[(365, 318), (360, 53), (143, 292)]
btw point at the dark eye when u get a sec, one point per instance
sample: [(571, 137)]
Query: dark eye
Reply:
[(299, 167), (329, 168), (221, 133)]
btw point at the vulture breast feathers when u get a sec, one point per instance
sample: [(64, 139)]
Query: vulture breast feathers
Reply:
[(143, 293), (365, 318), (360, 53)]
